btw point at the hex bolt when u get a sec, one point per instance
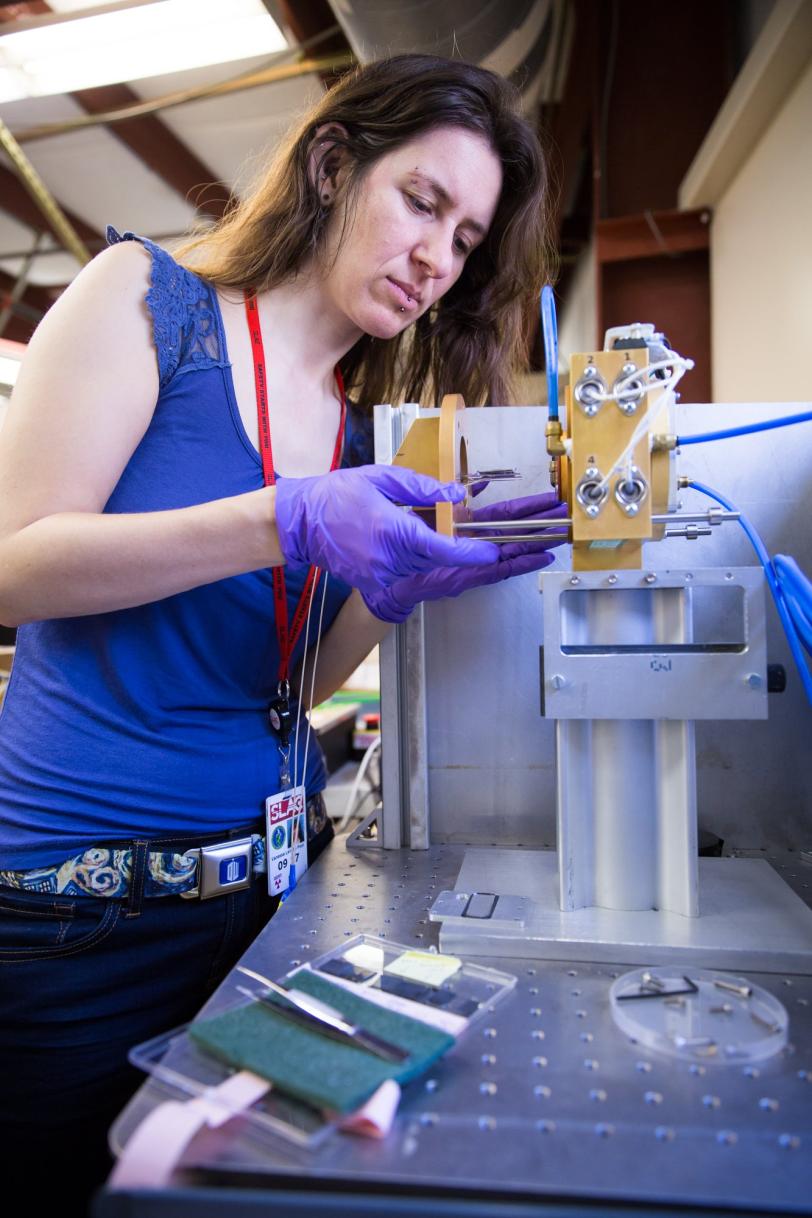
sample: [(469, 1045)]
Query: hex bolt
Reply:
[(741, 989)]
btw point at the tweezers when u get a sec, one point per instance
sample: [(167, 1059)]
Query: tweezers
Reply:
[(310, 1012)]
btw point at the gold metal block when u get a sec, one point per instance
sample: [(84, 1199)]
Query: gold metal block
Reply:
[(600, 432), (420, 449)]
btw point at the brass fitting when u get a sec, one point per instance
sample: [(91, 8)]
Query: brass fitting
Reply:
[(663, 443), (553, 432)]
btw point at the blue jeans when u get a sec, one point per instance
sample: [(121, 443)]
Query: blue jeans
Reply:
[(82, 979)]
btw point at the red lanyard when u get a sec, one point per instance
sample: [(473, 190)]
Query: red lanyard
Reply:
[(287, 635)]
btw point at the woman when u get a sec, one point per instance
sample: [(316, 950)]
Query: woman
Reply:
[(152, 556)]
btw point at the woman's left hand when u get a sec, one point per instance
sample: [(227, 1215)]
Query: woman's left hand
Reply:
[(396, 602)]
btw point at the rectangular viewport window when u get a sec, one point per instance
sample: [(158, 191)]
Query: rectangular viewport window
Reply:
[(604, 621)]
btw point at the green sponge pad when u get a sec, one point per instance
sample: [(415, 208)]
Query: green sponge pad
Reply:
[(309, 1065)]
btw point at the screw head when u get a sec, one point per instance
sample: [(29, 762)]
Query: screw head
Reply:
[(754, 680), (612, 579), (651, 578), (558, 681), (574, 580), (631, 509)]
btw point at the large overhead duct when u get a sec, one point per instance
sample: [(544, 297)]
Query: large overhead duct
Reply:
[(524, 40)]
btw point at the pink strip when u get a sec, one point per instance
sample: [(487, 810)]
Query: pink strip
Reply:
[(154, 1150), (376, 1117)]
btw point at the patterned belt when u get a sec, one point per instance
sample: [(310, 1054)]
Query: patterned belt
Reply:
[(104, 871), (206, 871)]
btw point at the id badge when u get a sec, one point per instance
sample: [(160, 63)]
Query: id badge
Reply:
[(286, 839)]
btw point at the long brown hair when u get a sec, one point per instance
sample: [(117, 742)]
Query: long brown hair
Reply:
[(474, 339)]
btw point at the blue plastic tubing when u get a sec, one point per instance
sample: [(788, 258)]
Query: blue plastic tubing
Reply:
[(788, 589), (549, 330), (746, 429)]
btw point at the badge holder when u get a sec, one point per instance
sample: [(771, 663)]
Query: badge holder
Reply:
[(285, 812)]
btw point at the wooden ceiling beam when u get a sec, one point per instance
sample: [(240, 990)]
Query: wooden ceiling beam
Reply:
[(307, 19), (13, 10), (159, 149), (16, 200), (19, 204), (653, 234), (148, 137), (28, 311)]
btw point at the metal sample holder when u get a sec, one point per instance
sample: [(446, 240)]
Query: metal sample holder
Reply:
[(638, 650)]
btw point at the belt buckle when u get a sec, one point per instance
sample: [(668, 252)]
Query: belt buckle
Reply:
[(222, 867)]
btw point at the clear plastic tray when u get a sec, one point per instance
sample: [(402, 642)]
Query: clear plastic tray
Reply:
[(455, 1001), (415, 981), (186, 1071), (702, 1015)]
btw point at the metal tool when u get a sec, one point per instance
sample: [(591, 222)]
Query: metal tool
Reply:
[(489, 475), (327, 1019)]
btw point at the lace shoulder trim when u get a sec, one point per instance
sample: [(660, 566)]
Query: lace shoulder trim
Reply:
[(185, 324)]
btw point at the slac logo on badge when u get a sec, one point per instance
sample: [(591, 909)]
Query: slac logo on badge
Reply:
[(281, 809)]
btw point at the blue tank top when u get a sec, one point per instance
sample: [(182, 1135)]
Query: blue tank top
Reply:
[(154, 720)]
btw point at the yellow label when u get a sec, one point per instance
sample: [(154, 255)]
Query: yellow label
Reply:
[(424, 966)]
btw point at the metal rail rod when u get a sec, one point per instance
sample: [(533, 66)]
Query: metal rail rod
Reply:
[(709, 517)]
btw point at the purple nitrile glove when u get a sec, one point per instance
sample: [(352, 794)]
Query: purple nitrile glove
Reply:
[(396, 602), (347, 522)]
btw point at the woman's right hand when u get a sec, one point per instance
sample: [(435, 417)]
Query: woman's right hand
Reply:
[(347, 522)]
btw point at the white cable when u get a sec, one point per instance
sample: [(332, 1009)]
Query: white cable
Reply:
[(675, 363), (299, 701), (639, 431), (309, 710), (356, 786)]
